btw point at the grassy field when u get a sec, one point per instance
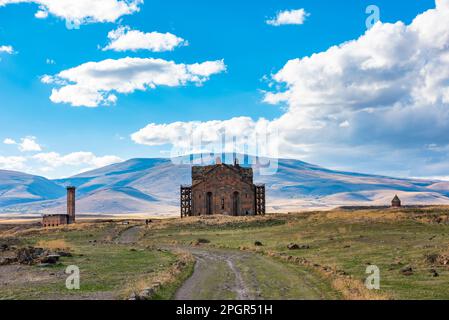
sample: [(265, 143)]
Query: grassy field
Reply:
[(339, 245), (346, 241), (109, 269)]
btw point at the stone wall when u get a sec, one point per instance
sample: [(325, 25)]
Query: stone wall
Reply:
[(54, 220), (223, 189)]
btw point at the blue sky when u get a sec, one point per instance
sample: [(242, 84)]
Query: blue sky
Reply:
[(234, 32)]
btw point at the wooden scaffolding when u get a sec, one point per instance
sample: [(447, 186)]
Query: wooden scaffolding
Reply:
[(186, 201), (260, 199)]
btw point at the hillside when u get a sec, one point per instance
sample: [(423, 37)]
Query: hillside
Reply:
[(152, 186)]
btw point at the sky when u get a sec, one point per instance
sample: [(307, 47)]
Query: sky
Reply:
[(84, 83)]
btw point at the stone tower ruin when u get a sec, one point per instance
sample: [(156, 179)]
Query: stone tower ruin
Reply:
[(54, 220)]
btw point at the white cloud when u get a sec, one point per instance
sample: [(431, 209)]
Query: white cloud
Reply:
[(55, 160), (41, 14), (52, 164), (372, 104), (240, 134), (182, 132), (29, 144), (123, 39), (26, 144), (82, 11), (9, 141), (12, 163), (95, 83), (296, 17), (6, 49)]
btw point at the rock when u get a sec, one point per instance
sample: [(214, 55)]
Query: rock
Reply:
[(50, 259), (29, 255), (341, 272), (258, 244), (432, 258), (197, 242), (4, 247), (434, 273), (407, 271), (64, 254), (7, 261), (147, 293), (294, 246), (437, 259)]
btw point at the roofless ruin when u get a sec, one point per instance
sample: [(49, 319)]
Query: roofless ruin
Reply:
[(222, 189)]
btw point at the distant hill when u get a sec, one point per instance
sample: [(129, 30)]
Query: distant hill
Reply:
[(19, 188), (152, 186)]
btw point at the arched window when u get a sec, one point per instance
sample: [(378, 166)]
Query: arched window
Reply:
[(236, 203)]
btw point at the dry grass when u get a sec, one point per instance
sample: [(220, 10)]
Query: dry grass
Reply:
[(160, 279), (352, 289), (216, 220), (364, 215), (58, 244), (349, 288)]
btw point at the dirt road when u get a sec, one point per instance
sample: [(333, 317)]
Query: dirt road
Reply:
[(225, 274), (129, 236)]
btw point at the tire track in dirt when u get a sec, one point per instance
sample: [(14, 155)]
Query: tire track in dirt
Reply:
[(236, 275), (215, 275)]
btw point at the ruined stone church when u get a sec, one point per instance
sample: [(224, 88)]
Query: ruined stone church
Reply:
[(222, 189)]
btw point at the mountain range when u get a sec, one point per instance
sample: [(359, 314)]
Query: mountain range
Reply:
[(151, 186)]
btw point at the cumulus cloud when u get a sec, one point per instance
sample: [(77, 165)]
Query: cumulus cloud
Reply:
[(9, 141), (51, 164), (97, 83), (372, 103), (124, 39), (82, 11), (12, 163), (209, 131), (6, 49), (289, 17), (240, 134), (54, 159), (26, 144), (390, 84)]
